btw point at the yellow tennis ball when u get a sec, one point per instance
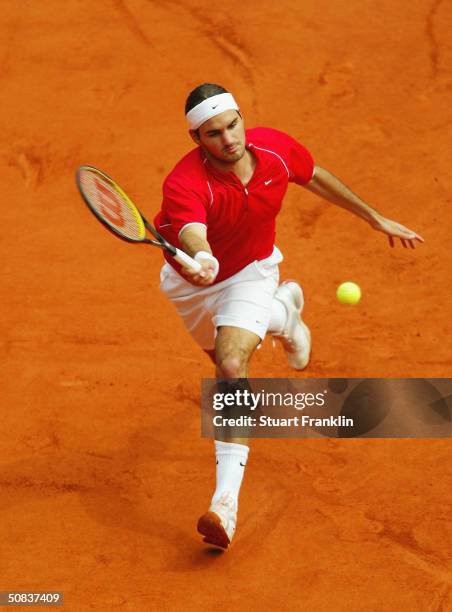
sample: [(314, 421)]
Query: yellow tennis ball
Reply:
[(348, 293)]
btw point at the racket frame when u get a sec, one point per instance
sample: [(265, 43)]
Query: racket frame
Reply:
[(160, 241)]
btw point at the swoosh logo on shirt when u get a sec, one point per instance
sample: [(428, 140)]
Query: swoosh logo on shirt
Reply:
[(268, 182), (214, 107)]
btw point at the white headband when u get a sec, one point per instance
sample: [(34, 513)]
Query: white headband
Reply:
[(207, 109)]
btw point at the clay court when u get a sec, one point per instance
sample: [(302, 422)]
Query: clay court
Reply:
[(103, 471)]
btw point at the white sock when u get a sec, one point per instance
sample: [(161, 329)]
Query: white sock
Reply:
[(278, 317), (231, 460)]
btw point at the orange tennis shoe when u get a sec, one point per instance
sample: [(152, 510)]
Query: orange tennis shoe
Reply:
[(218, 524)]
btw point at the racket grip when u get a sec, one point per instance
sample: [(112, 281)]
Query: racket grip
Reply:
[(187, 261)]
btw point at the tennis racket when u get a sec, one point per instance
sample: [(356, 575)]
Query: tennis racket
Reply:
[(116, 211)]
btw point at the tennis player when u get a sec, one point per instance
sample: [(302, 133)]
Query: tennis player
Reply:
[(220, 203)]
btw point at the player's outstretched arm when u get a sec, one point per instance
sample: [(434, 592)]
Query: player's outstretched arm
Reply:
[(193, 239), (329, 187)]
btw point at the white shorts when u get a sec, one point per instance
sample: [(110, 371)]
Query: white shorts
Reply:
[(242, 300)]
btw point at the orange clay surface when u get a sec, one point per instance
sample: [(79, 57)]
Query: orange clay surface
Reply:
[(103, 472)]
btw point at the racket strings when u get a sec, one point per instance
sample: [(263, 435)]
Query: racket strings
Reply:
[(112, 206)]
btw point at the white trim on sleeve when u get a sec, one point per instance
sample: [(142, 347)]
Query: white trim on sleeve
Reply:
[(187, 224), (279, 156)]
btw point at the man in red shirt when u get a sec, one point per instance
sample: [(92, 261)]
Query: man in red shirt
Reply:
[(220, 204)]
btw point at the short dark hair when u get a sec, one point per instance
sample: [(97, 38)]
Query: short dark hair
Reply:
[(202, 92)]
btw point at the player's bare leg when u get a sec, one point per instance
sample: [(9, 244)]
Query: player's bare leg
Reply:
[(233, 349)]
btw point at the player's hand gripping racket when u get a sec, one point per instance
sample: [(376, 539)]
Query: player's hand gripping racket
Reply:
[(116, 211)]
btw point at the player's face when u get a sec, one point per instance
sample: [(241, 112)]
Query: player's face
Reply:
[(223, 136)]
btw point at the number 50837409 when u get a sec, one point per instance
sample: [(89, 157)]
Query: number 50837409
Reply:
[(20, 598)]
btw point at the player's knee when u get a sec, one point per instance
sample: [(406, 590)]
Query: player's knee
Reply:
[(232, 366)]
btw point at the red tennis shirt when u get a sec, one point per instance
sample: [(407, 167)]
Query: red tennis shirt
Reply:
[(240, 219)]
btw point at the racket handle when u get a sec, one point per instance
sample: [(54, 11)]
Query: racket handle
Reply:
[(187, 261)]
